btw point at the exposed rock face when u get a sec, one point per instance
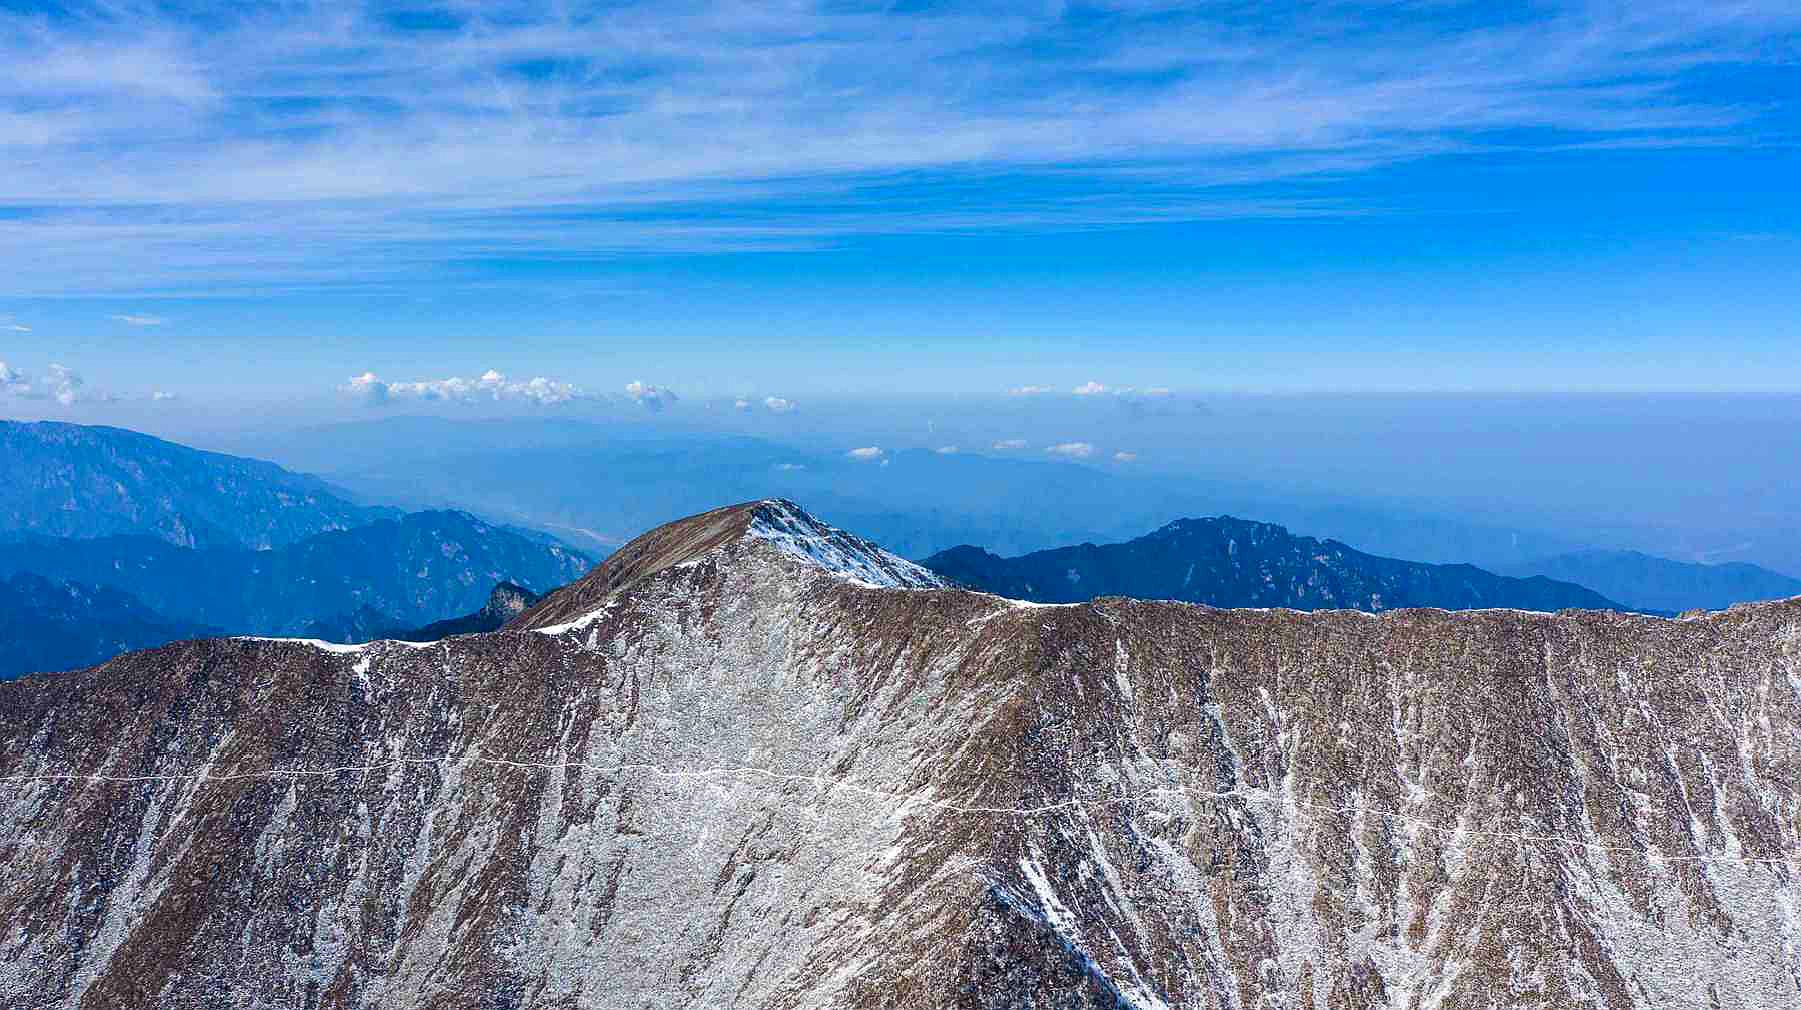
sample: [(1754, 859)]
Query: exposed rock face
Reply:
[(780, 524), (740, 778), (506, 602), (1227, 562)]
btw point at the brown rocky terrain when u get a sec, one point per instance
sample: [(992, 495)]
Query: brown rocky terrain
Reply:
[(753, 762)]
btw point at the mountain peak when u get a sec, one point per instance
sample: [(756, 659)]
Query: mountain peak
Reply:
[(798, 534), (776, 525)]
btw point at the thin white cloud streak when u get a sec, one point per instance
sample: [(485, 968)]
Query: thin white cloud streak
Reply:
[(777, 404), (1123, 456), (866, 454), (1092, 388), (1008, 444), (132, 319), (181, 146)]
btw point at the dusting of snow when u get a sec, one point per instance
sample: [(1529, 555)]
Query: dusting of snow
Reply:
[(341, 648), (579, 623), (791, 530)]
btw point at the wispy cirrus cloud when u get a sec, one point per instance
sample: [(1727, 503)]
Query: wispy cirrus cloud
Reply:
[(138, 319), (148, 146)]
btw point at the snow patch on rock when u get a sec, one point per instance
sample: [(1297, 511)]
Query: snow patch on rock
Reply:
[(787, 527)]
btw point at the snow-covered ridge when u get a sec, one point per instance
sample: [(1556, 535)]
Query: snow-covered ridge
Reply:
[(787, 527)]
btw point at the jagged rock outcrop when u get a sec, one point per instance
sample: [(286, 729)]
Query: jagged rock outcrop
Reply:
[(753, 762), (507, 601)]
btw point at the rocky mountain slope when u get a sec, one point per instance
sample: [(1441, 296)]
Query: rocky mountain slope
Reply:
[(1653, 583), (753, 762), (47, 625), (72, 480), (389, 574), (1228, 562)]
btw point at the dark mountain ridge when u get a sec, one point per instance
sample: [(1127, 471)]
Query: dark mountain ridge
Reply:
[(50, 625), (1229, 562)]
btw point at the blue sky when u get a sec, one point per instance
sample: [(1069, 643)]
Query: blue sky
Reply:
[(244, 205)]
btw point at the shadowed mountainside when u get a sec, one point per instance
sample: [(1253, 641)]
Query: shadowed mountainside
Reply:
[(1653, 583), (1227, 562), (48, 625)]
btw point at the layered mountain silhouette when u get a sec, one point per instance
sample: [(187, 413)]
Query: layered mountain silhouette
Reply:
[(1228, 562), (404, 572), (753, 761), (71, 480), (163, 541), (1654, 583)]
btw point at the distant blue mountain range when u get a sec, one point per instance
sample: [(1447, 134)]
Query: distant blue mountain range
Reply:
[(113, 540), (1228, 562), (1654, 583), (71, 480)]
